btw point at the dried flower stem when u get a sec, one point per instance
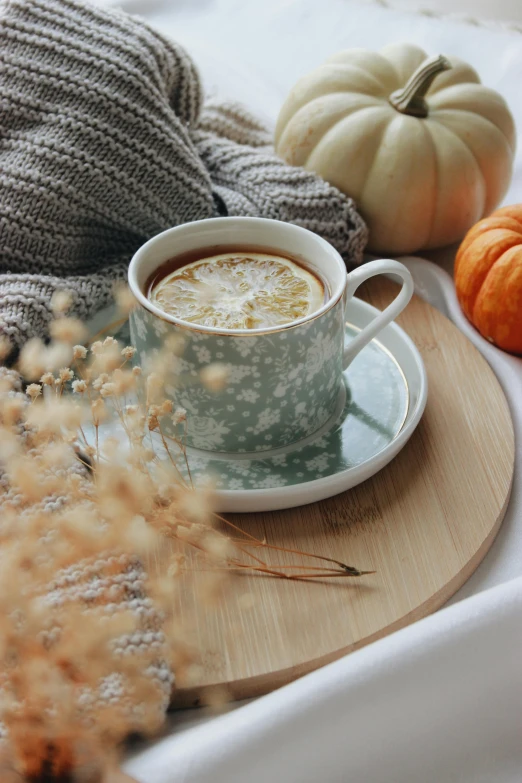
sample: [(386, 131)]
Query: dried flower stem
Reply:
[(318, 573), (185, 429), (112, 327), (94, 529), (171, 458), (256, 542)]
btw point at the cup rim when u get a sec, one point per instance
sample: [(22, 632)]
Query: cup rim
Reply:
[(142, 252)]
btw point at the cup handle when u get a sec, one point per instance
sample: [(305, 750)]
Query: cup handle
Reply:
[(358, 276)]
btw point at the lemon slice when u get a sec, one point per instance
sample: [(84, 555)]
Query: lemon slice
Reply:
[(239, 291)]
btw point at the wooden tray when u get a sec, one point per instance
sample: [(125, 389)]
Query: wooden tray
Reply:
[(423, 523)]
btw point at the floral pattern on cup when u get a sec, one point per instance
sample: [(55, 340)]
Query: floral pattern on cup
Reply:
[(281, 386), (373, 414)]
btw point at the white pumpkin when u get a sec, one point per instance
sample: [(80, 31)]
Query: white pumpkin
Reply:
[(422, 170)]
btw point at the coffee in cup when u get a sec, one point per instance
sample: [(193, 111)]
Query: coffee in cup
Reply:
[(237, 288)]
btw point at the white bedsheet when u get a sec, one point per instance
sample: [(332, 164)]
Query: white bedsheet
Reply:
[(440, 701)]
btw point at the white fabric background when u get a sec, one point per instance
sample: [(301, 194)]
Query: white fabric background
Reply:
[(440, 701), (507, 12)]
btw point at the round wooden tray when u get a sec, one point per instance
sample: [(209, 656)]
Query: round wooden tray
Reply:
[(423, 523)]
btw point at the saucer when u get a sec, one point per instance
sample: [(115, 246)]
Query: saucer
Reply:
[(384, 396)]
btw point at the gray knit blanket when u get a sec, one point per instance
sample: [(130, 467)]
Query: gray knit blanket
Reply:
[(105, 141)]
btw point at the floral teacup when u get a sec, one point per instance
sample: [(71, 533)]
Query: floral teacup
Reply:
[(283, 383)]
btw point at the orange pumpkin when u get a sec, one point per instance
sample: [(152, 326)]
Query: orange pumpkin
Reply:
[(488, 277)]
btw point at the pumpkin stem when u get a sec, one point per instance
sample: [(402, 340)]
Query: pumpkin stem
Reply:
[(410, 99)]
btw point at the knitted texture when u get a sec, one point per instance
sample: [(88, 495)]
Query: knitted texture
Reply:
[(109, 586), (251, 180), (104, 144)]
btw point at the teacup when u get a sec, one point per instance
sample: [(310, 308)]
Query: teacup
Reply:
[(284, 382)]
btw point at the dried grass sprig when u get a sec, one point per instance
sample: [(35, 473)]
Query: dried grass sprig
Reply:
[(85, 630), (248, 540)]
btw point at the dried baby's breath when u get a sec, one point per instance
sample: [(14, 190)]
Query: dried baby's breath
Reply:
[(108, 390), (83, 624), (124, 381), (99, 411), (57, 454), (50, 415), (61, 301), (79, 387), (214, 376), (47, 379), (34, 390), (125, 299), (9, 444), (65, 375), (174, 345), (128, 352), (167, 406), (154, 386), (32, 359), (57, 355), (5, 347), (36, 358), (179, 415), (108, 358), (79, 352), (12, 411), (68, 330), (100, 380)]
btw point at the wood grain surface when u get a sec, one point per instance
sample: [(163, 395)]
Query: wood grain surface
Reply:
[(423, 523)]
